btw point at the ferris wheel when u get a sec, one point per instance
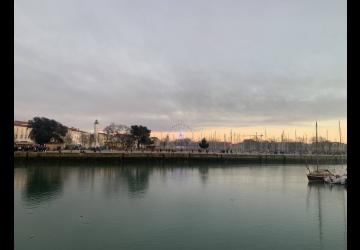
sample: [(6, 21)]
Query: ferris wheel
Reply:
[(183, 131)]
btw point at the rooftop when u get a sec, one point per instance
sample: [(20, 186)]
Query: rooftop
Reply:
[(21, 123)]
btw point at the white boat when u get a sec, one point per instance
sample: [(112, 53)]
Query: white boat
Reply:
[(336, 179)]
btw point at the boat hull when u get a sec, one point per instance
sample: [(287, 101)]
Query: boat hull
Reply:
[(319, 175), (315, 178)]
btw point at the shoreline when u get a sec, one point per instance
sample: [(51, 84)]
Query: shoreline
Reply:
[(171, 157)]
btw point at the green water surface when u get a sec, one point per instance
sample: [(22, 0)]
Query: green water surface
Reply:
[(176, 207)]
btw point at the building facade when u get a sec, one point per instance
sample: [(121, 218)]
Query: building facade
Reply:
[(77, 137), (101, 138), (74, 137), (22, 133)]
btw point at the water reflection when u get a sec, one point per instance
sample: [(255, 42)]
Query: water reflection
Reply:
[(134, 179), (43, 184), (113, 181), (204, 174), (86, 176), (137, 179), (157, 204), (317, 190)]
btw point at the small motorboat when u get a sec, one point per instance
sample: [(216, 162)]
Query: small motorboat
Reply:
[(336, 179)]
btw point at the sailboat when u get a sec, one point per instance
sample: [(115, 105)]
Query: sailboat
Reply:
[(318, 174)]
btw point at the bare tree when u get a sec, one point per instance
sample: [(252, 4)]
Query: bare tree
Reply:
[(116, 129), (122, 141), (112, 131)]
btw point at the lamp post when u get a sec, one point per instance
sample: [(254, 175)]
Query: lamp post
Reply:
[(96, 123)]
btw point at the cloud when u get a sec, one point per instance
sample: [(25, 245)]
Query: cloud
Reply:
[(209, 63)]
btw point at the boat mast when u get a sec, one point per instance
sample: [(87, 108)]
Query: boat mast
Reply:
[(295, 143), (339, 137), (316, 148), (340, 151)]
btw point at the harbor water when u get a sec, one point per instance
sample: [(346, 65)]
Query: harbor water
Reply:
[(176, 207)]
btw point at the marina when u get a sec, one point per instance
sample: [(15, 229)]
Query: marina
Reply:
[(180, 125), (325, 175)]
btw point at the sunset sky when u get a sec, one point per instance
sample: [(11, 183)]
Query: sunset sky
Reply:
[(245, 65)]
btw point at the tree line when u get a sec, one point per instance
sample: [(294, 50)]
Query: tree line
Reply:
[(45, 130)]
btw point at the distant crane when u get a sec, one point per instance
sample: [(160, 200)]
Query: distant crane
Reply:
[(255, 136)]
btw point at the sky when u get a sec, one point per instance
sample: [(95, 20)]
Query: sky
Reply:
[(248, 65)]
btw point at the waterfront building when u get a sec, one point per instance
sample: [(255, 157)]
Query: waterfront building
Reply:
[(327, 147), (101, 138), (22, 133), (85, 139), (274, 146), (250, 145), (77, 137)]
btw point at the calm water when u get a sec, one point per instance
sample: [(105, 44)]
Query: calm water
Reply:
[(217, 207)]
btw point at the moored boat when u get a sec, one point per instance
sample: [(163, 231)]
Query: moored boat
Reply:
[(319, 175), (336, 179)]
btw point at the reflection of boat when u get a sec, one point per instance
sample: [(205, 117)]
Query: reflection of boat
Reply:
[(318, 174), (317, 186), (318, 198)]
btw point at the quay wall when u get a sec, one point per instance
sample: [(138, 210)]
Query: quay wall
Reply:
[(21, 158)]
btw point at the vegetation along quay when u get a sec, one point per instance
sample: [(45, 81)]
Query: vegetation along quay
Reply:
[(172, 157)]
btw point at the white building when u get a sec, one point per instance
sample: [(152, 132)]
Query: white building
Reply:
[(22, 132), (78, 137), (75, 136)]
